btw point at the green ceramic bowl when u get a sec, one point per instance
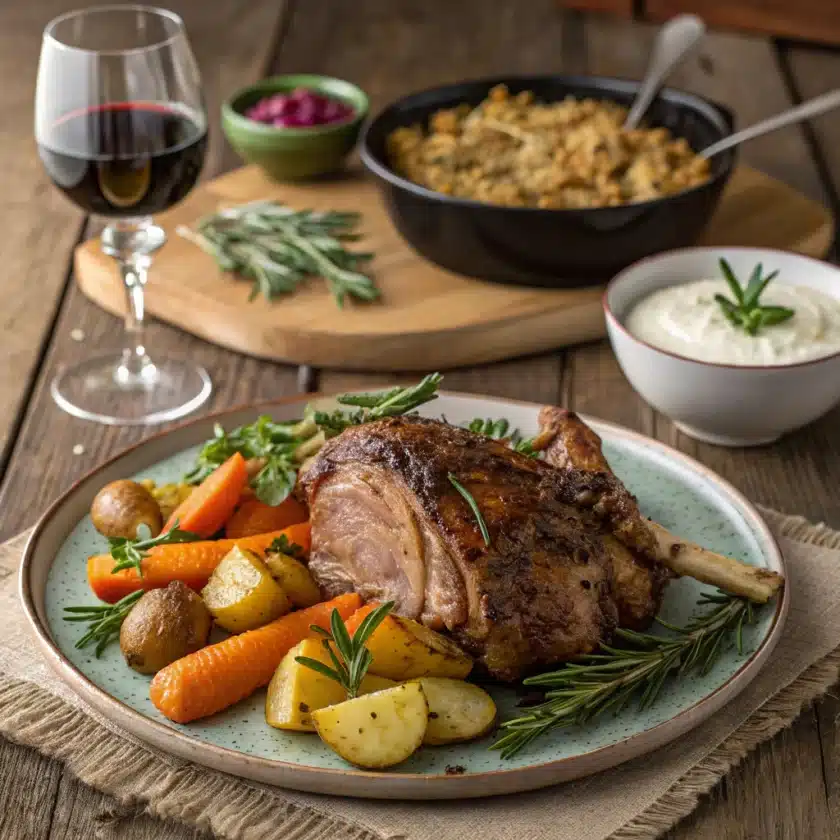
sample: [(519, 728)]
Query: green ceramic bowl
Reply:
[(294, 153)]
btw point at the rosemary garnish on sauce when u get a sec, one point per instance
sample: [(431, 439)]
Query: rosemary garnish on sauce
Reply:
[(351, 658), (104, 620), (482, 525), (745, 312), (608, 680), (129, 554), (278, 248)]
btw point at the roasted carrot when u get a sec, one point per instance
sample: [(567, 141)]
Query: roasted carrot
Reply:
[(215, 677), (192, 563), (352, 623), (210, 505), (256, 517)]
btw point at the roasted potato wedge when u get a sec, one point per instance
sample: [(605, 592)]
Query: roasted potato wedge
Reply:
[(294, 578), (458, 710), (377, 730), (241, 593), (403, 649), (164, 625), (295, 690)]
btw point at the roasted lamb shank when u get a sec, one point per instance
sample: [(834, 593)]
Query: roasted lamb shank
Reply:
[(568, 556)]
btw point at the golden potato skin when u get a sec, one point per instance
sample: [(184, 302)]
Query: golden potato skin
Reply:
[(241, 593), (294, 579), (404, 649), (376, 730), (164, 625), (121, 506), (458, 710)]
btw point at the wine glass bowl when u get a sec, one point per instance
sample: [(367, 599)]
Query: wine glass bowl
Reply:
[(121, 129)]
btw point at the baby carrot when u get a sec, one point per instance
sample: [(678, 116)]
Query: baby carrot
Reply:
[(210, 505), (256, 517), (192, 563), (215, 677)]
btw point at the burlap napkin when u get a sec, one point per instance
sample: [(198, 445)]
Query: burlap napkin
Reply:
[(637, 801)]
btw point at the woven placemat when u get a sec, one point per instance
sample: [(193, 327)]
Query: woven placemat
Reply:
[(636, 801)]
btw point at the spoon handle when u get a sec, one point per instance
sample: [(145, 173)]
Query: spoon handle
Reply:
[(675, 39), (811, 108)]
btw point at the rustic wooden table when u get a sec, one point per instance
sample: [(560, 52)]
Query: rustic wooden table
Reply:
[(790, 787)]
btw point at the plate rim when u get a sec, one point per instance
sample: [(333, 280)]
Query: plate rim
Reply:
[(419, 786)]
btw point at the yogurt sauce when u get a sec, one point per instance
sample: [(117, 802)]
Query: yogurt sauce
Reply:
[(686, 320)]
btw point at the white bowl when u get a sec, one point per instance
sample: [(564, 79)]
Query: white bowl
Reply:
[(729, 405)]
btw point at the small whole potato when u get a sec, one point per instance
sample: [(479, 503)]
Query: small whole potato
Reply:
[(164, 625), (121, 506)]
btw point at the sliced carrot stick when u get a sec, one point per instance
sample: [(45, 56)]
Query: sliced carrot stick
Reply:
[(256, 517), (192, 563), (210, 505), (215, 677)]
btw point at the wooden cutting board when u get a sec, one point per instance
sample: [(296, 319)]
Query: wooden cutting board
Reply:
[(428, 318)]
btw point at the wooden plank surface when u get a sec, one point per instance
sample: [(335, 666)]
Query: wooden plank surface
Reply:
[(390, 47)]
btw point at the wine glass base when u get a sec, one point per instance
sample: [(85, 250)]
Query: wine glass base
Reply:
[(93, 390)]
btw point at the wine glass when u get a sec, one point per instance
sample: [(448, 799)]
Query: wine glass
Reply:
[(121, 129)]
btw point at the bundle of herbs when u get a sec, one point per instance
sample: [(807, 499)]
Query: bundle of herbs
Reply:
[(279, 248)]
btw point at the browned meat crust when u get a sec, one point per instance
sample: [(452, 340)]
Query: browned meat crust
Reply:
[(540, 593)]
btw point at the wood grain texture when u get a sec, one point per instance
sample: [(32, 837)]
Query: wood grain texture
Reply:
[(427, 317), (814, 20)]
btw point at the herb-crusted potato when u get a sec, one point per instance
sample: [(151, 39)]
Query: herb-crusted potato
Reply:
[(294, 579), (458, 710), (241, 593), (403, 649), (378, 730), (296, 691)]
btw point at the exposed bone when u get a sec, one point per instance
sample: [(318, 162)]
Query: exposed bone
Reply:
[(570, 443), (728, 574)]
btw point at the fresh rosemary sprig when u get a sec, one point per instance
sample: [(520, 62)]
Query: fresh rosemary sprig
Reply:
[(280, 448), (278, 248), (610, 679), (282, 545), (482, 525), (104, 621), (500, 430), (373, 406), (129, 554), (351, 658), (745, 312)]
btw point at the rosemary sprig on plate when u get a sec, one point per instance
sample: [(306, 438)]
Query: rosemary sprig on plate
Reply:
[(470, 499), (278, 248), (104, 621), (348, 654), (282, 447), (129, 554), (610, 679), (746, 312)]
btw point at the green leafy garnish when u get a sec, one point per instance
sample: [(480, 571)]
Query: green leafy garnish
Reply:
[(500, 430), (350, 658), (129, 554), (104, 620), (282, 545), (745, 312), (609, 679), (280, 448), (278, 248), (482, 525)]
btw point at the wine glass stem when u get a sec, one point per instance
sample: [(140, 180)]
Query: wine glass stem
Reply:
[(131, 242)]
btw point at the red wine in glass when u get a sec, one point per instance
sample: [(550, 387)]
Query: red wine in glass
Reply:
[(125, 158), (121, 128)]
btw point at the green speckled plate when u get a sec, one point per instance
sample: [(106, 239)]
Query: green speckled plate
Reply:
[(673, 489)]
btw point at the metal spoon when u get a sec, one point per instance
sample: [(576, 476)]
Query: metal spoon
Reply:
[(811, 108), (673, 43)]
